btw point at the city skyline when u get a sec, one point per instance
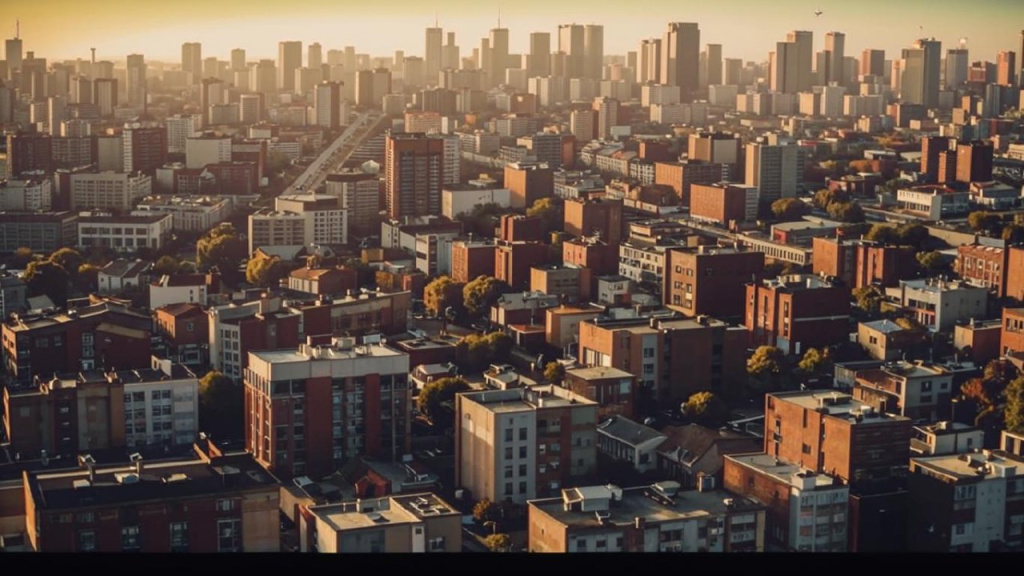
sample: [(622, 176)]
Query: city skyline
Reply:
[(61, 34)]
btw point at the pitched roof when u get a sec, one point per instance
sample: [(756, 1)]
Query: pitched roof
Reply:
[(125, 268), (701, 449), (628, 431)]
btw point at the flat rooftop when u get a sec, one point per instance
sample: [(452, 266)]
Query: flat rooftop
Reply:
[(834, 404), (328, 353), (883, 326), (525, 399), (965, 466), (408, 509), (783, 471), (598, 373)]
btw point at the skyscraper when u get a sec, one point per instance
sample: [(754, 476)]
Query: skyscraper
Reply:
[(327, 104), (803, 53), (572, 42), (593, 51), (192, 61), (956, 67), (538, 62), (649, 66), (449, 58), (680, 58), (498, 56), (783, 63), (105, 95), (872, 62), (413, 174), (607, 116), (714, 64), (289, 59), (1006, 69), (13, 54), (432, 55), (776, 171), (834, 65), (238, 59), (314, 55), (919, 83), (136, 77)]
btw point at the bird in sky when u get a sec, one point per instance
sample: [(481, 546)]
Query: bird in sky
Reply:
[(818, 12)]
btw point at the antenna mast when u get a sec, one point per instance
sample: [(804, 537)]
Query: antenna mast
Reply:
[(17, 29)]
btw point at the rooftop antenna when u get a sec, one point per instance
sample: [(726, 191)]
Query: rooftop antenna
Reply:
[(93, 56), (17, 29)]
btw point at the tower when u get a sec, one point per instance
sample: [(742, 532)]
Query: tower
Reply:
[(432, 54), (192, 60), (414, 166), (538, 62), (136, 78), (680, 58), (834, 58), (572, 42), (289, 59), (593, 51)]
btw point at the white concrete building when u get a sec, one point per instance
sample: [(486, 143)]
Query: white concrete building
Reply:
[(626, 440), (206, 149), (275, 228), (26, 195), (190, 213), (161, 405), (108, 190), (326, 220), (122, 276), (180, 128), (178, 289), (124, 233), (457, 200), (933, 202), (940, 304), (945, 437), (651, 94)]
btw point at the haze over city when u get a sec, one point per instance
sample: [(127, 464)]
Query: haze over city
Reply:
[(747, 29)]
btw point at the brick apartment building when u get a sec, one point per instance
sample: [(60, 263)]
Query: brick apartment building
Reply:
[(984, 266), (723, 203), (186, 329), (471, 259), (916, 390), (1011, 338), (614, 390), (797, 312), (682, 175), (325, 402), (101, 335), (522, 444), (513, 261), (571, 283), (235, 330), (528, 182), (410, 523), (213, 503), (709, 280), (357, 315), (601, 217), (519, 228), (860, 263), (1015, 273)]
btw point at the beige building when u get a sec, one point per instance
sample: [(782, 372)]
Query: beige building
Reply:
[(656, 518), (274, 228), (408, 523), (523, 443)]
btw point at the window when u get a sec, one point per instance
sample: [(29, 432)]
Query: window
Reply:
[(436, 544), (85, 518), (229, 534), (87, 541), (522, 470), (508, 434), (522, 451), (508, 488), (508, 452), (130, 538), (926, 386), (522, 434), (806, 449), (179, 536), (225, 505), (522, 487), (508, 471)]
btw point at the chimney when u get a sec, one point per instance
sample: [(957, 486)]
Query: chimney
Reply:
[(136, 459)]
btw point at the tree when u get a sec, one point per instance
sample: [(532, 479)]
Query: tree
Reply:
[(787, 209), (22, 256), (277, 162), (824, 198), (868, 299), (766, 361), (482, 219), (476, 351), (443, 293), (221, 406), (706, 409), (912, 234), (846, 212), (436, 398), (1014, 413), (986, 222), (480, 294), (69, 259), (220, 247), (49, 278), (816, 362), (88, 278), (265, 272), (883, 234), (166, 265), (933, 262), (498, 542), (486, 511), (1013, 233), (551, 211), (554, 372)]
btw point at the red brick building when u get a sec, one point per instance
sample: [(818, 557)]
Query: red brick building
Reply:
[(709, 280), (211, 503), (323, 281), (860, 263), (528, 182), (1015, 273), (234, 178), (1012, 337), (357, 315), (519, 228), (614, 390), (145, 148), (602, 217), (983, 266), (797, 312), (185, 327), (682, 175), (28, 153), (513, 260), (721, 203), (472, 259)]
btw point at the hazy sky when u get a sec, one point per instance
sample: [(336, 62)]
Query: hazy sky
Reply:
[(748, 29)]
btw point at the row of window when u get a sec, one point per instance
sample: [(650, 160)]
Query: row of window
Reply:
[(229, 537)]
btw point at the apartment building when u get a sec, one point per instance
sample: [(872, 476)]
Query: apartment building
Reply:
[(797, 312), (190, 213), (523, 443), (108, 190), (707, 280), (939, 304), (237, 329), (624, 440), (124, 233), (861, 263), (984, 266), (1011, 338), (324, 402), (43, 232), (410, 523), (916, 390)]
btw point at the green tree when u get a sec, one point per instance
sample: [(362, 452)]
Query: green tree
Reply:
[(69, 259), (883, 234), (48, 278), (706, 409), (277, 162), (220, 247), (787, 209), (846, 212), (265, 272), (22, 256), (933, 262), (551, 211), (436, 399), (221, 406), (912, 234), (1014, 413), (766, 360), (985, 222), (816, 362), (498, 542), (443, 293), (824, 198), (476, 351), (486, 511), (480, 294), (554, 372), (166, 265), (1013, 233), (869, 299)]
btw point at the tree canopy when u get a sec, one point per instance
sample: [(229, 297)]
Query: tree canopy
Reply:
[(554, 372), (220, 247), (985, 222), (825, 197), (498, 542), (706, 409), (1014, 414), (766, 360), (869, 299), (480, 294), (48, 278), (264, 271), (477, 351), (221, 406), (816, 362), (166, 265), (436, 400), (933, 262), (787, 209), (487, 510), (442, 293), (551, 211), (846, 212)]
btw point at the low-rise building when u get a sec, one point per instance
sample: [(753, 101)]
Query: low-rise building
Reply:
[(1011, 338), (624, 440), (43, 232), (797, 312), (939, 304), (235, 329), (13, 295), (916, 390), (694, 452), (185, 328), (123, 276), (656, 518), (323, 281), (945, 437), (933, 202), (614, 390), (182, 288), (124, 233), (108, 190), (983, 265), (885, 339), (190, 213), (398, 524), (571, 283), (980, 338)]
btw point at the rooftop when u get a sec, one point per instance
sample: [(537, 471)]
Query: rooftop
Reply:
[(945, 428), (338, 350), (125, 268), (884, 326), (783, 471), (523, 399), (628, 431), (147, 219), (836, 404), (974, 465), (598, 373), (405, 509)]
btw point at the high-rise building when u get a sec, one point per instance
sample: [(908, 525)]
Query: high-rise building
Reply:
[(192, 61), (13, 56), (932, 148), (680, 58), (919, 83), (372, 86), (413, 175), (649, 61), (803, 52), (498, 56), (956, 68), (145, 147), (136, 79), (238, 59), (28, 153), (607, 116), (105, 95), (713, 64), (974, 161), (593, 51), (263, 76), (327, 104), (581, 124), (572, 43), (776, 171), (1006, 69), (433, 55), (211, 93), (872, 62), (834, 59), (538, 62), (449, 57), (314, 55), (289, 59), (180, 128)]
